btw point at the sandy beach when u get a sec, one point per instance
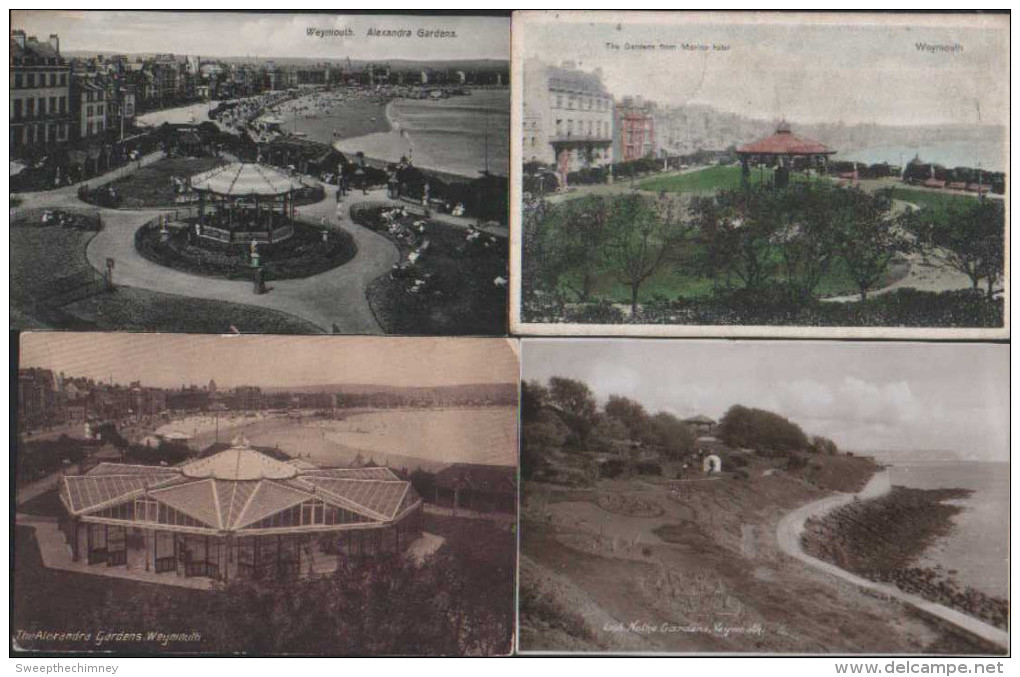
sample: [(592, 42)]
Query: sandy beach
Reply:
[(448, 135), (430, 438)]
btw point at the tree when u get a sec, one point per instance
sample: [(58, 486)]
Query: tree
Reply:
[(570, 239), (640, 237), (866, 238), (761, 430), (534, 397), (968, 238), (541, 435), (673, 435), (610, 434), (738, 230), (804, 237), (576, 403), (823, 445), (633, 416)]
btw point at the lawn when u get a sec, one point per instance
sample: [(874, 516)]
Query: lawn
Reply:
[(131, 309), (42, 256), (930, 198), (709, 180), (150, 186)]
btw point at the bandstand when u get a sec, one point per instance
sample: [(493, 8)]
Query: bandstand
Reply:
[(240, 203), (783, 148)]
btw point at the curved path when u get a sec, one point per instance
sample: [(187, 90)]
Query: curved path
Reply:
[(335, 297), (791, 528), (332, 299)]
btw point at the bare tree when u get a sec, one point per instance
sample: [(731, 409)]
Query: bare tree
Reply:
[(641, 235)]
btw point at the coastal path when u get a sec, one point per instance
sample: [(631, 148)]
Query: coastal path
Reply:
[(791, 528)]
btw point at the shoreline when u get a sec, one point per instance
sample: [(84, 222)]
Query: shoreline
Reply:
[(793, 526)]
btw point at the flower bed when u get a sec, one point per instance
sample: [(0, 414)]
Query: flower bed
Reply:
[(449, 280), (303, 255)]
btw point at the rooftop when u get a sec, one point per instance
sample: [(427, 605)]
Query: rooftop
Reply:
[(785, 142), (236, 489), (245, 178)]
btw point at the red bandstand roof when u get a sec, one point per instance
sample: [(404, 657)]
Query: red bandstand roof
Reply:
[(783, 142)]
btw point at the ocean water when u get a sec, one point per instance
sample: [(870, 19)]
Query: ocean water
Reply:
[(435, 437), (978, 547), (458, 133), (987, 154)]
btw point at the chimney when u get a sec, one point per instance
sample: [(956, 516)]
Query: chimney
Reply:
[(55, 42), (19, 37)]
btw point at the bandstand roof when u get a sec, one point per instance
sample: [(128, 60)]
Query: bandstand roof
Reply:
[(236, 488), (784, 142), (244, 178)]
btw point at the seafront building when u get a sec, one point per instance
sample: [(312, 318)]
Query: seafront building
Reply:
[(238, 513), (40, 115), (635, 130), (568, 116)]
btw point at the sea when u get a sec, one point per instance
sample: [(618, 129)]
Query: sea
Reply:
[(986, 154), (977, 549), (426, 438)]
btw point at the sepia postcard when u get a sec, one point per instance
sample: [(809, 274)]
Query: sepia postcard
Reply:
[(764, 497), (760, 174), (259, 172), (257, 495)]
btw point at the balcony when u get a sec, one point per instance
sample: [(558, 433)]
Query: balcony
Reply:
[(574, 137)]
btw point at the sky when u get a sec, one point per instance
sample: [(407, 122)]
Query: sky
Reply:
[(778, 67), (266, 35), (170, 360), (896, 397)]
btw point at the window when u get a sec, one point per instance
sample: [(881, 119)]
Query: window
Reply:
[(29, 107), (17, 109), (53, 105), (146, 510), (53, 79), (18, 80), (63, 104), (559, 101), (63, 79), (570, 127), (99, 110), (30, 80)]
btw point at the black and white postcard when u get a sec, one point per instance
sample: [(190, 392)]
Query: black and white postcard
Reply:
[(764, 497), (259, 172), (260, 495)]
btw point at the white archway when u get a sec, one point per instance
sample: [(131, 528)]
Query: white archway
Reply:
[(711, 464)]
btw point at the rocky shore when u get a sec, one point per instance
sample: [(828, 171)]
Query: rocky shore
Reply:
[(882, 540)]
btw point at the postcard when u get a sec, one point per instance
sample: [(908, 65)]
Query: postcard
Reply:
[(764, 497), (259, 172), (760, 174), (257, 495)]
